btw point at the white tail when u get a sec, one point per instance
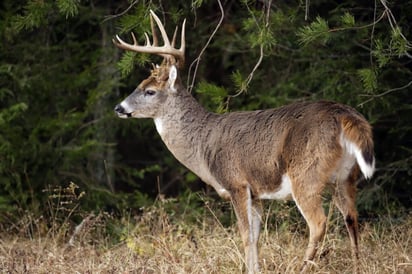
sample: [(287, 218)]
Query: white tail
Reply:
[(293, 151)]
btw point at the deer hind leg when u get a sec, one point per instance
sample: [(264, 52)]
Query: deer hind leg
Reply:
[(248, 213), (344, 199), (308, 199)]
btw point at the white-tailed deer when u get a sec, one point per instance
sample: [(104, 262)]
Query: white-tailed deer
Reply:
[(293, 151)]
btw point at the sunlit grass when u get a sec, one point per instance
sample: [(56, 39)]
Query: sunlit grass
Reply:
[(155, 242)]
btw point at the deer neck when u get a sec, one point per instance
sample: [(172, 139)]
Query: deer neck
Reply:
[(180, 124), (184, 128)]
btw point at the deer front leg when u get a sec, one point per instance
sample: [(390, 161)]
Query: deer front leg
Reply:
[(248, 215)]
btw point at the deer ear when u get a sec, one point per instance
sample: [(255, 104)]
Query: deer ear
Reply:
[(172, 78)]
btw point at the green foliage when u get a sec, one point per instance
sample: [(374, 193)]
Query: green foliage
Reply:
[(9, 114), (59, 82), (369, 79), (382, 57), (69, 8), (197, 3), (54, 87), (348, 20), (258, 34), (317, 31), (138, 20), (216, 94), (140, 173), (38, 13), (34, 15), (399, 45), (239, 82), (126, 63)]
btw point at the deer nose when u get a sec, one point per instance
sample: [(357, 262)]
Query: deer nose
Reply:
[(119, 109)]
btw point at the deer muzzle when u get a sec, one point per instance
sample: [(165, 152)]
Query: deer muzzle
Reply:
[(121, 111)]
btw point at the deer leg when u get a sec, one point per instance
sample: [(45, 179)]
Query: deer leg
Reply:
[(344, 199), (310, 205), (248, 213)]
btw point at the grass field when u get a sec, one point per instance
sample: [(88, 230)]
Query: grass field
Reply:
[(154, 242)]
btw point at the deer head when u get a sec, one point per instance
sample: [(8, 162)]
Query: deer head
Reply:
[(164, 81)]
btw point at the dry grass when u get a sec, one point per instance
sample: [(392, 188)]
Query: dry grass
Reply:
[(156, 244)]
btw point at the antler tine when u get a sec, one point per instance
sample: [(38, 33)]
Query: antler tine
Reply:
[(183, 38), (154, 32), (148, 40), (120, 43), (178, 53), (134, 39), (174, 37), (161, 28)]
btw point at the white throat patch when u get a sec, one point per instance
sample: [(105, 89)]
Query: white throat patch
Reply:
[(159, 125)]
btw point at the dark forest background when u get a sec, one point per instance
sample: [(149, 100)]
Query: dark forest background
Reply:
[(61, 76)]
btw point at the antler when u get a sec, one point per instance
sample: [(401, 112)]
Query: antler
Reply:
[(166, 51)]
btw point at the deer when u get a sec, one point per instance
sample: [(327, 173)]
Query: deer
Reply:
[(291, 152)]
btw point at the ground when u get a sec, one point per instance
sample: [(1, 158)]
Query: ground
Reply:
[(154, 243)]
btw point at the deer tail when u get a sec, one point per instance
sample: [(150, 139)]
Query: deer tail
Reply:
[(357, 139)]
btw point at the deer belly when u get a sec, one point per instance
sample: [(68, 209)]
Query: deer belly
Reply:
[(283, 192)]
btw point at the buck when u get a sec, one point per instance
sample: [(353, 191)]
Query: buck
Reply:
[(294, 151)]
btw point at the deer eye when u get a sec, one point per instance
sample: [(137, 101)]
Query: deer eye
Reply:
[(149, 92)]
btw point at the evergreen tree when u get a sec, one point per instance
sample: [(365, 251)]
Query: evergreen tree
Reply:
[(60, 80)]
